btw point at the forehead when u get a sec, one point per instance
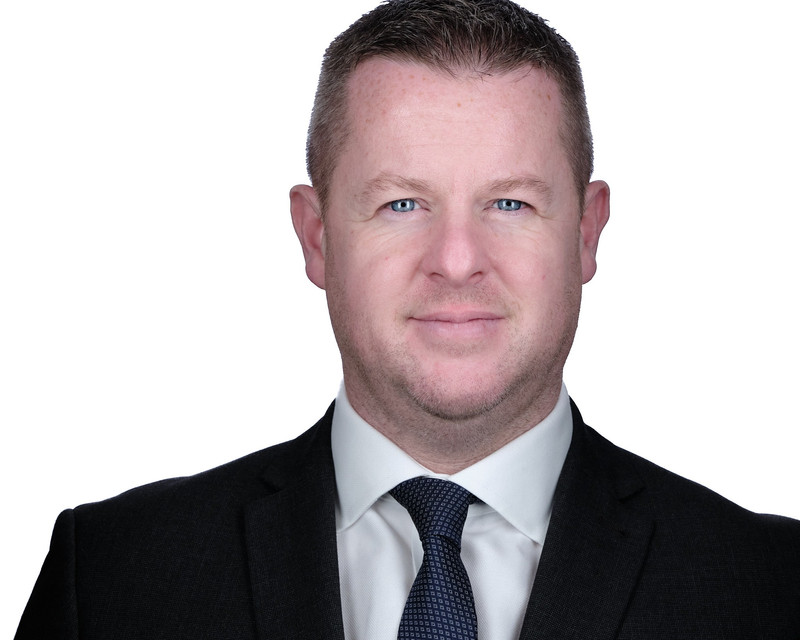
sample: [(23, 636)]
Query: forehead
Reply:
[(378, 81), (407, 117)]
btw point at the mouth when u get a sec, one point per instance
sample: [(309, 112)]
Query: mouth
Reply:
[(457, 316), (465, 324)]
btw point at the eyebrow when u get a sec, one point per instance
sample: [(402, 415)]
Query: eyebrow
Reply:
[(386, 181), (525, 183)]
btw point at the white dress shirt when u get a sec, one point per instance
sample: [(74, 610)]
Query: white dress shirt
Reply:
[(378, 544)]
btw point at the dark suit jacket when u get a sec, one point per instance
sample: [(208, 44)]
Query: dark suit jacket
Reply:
[(248, 550)]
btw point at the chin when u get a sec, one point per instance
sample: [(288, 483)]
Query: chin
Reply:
[(457, 404)]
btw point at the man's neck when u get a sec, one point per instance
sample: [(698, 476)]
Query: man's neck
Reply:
[(448, 445)]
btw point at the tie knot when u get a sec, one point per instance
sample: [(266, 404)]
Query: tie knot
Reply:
[(437, 507)]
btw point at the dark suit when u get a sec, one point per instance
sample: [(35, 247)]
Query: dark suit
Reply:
[(248, 550)]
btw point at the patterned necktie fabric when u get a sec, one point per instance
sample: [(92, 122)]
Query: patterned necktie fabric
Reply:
[(440, 605)]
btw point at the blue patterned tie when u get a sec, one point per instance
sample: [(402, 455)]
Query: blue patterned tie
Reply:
[(440, 605)]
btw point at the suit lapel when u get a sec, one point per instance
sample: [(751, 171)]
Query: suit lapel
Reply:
[(291, 543), (595, 545)]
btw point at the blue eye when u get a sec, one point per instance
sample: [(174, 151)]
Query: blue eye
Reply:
[(403, 206), (506, 204)]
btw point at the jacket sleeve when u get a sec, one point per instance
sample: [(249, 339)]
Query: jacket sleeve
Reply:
[(52, 610)]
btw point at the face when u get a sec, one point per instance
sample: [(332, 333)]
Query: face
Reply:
[(453, 249)]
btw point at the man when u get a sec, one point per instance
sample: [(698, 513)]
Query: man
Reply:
[(452, 223)]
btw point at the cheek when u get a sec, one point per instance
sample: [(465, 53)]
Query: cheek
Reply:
[(534, 265), (362, 285), (543, 271), (378, 263)]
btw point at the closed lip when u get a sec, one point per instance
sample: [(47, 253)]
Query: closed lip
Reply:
[(456, 316)]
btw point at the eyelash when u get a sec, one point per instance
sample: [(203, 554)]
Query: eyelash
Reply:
[(392, 204), (515, 204), (396, 205)]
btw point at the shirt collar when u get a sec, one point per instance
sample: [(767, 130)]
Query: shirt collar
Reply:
[(518, 480)]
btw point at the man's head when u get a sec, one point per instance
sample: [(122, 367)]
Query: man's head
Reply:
[(457, 37), (453, 245)]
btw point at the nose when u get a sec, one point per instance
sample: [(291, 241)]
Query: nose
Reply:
[(456, 251)]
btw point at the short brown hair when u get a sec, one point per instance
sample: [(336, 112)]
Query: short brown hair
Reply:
[(453, 36)]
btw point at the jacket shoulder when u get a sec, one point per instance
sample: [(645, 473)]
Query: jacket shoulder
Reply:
[(709, 564), (167, 559), (213, 495), (668, 496)]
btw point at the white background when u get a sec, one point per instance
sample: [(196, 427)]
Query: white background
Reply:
[(155, 318)]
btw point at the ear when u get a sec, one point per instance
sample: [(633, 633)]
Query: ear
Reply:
[(595, 215), (307, 221)]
